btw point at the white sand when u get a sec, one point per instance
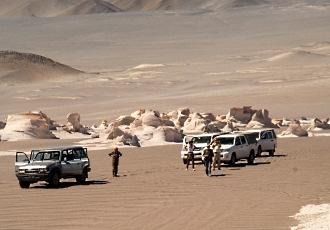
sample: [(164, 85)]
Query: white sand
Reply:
[(313, 217)]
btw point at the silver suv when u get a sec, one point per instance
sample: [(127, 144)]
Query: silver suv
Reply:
[(51, 165)]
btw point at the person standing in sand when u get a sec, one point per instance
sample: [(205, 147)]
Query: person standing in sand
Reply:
[(190, 156), (217, 156), (207, 155), (115, 154)]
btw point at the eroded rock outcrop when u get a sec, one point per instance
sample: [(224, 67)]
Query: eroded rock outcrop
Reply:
[(31, 125), (261, 119), (74, 125), (243, 115), (295, 129)]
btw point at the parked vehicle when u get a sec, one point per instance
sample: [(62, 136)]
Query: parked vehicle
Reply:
[(51, 165), (235, 147), (200, 142), (266, 140)]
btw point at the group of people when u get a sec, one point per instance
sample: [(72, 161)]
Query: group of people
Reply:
[(210, 155)]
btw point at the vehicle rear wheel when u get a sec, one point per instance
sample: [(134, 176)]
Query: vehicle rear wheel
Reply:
[(24, 184), (54, 179), (271, 153), (259, 151), (82, 178), (232, 159), (251, 158)]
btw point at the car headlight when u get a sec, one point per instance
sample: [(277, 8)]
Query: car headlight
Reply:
[(42, 170)]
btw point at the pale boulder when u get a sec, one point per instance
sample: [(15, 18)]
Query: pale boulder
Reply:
[(138, 113), (229, 127), (242, 115), (261, 119), (74, 125), (151, 118), (124, 120), (167, 134), (194, 124), (32, 125), (295, 129)]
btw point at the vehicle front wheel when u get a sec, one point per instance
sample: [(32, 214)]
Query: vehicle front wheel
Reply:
[(232, 159), (251, 158), (82, 178), (24, 184), (54, 179)]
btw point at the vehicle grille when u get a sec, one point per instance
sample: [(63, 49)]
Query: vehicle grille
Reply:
[(31, 170)]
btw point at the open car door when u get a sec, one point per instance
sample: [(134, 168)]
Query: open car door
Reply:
[(21, 159)]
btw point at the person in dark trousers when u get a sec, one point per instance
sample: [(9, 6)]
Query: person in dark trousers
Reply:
[(190, 156), (115, 154), (207, 155)]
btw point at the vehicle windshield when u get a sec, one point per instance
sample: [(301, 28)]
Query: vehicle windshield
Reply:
[(226, 140), (46, 156), (202, 140)]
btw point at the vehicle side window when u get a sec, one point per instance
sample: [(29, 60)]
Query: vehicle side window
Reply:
[(82, 153), (64, 155), (237, 141), (71, 155), (269, 135), (263, 135), (243, 141), (77, 154)]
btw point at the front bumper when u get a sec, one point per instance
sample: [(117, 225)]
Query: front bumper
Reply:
[(32, 178)]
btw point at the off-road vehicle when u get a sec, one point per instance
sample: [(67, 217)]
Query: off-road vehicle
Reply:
[(51, 165)]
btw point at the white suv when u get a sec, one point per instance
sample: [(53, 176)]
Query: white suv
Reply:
[(200, 142), (266, 140), (235, 147)]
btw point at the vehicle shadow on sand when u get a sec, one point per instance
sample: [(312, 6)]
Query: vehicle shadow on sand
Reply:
[(240, 165), (67, 184), (276, 155)]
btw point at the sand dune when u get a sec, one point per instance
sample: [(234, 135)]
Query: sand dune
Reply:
[(298, 57), (51, 8), (18, 67)]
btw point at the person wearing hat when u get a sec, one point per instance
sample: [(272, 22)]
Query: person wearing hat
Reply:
[(115, 154), (217, 154), (190, 156)]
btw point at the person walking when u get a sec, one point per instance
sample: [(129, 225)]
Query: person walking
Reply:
[(217, 156), (190, 156), (207, 156), (115, 154)]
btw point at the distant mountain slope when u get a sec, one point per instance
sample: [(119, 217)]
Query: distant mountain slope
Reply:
[(53, 8), (18, 67)]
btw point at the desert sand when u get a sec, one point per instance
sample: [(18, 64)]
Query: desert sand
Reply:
[(155, 192), (106, 58)]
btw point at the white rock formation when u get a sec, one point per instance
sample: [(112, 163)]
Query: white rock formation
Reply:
[(74, 125), (31, 125), (229, 127), (242, 115), (167, 134), (151, 118), (194, 124), (320, 124), (295, 129), (261, 119), (124, 120)]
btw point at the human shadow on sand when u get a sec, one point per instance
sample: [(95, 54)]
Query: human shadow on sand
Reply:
[(67, 184)]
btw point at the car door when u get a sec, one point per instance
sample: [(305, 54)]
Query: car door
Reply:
[(245, 147), (270, 140), (238, 148), (263, 141), (21, 160)]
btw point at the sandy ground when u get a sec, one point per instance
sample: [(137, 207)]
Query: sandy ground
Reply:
[(155, 192)]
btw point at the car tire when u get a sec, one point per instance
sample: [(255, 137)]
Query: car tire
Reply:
[(24, 184), (271, 153), (251, 158), (82, 178), (259, 151), (54, 179), (232, 159)]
